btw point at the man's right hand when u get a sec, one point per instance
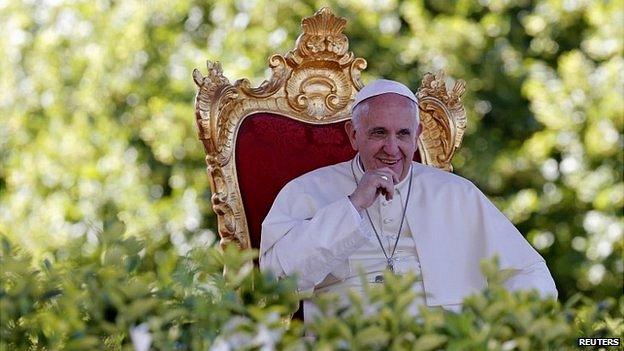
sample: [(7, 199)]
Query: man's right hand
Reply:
[(373, 183)]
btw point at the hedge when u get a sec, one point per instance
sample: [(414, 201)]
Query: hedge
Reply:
[(90, 295)]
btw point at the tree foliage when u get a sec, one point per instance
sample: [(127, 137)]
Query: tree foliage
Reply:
[(97, 115)]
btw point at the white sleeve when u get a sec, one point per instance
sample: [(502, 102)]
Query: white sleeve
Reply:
[(503, 239), (312, 243), (535, 276)]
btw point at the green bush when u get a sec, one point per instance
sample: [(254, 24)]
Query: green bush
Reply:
[(90, 295)]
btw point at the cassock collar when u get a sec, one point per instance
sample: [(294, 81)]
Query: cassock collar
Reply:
[(359, 172)]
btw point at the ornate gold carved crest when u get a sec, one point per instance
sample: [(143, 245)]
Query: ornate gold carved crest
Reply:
[(444, 119), (315, 82), (324, 72)]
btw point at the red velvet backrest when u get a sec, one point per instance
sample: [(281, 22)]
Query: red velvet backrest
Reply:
[(271, 150)]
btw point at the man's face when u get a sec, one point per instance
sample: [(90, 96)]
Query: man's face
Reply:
[(386, 133)]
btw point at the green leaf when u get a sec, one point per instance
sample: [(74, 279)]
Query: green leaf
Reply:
[(371, 337), (430, 342)]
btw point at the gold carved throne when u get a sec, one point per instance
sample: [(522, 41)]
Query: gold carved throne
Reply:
[(258, 138)]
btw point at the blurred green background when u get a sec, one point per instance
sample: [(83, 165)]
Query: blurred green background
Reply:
[(97, 122)]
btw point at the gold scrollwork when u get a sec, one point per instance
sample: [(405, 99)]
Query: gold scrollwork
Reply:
[(318, 92), (322, 38), (444, 120)]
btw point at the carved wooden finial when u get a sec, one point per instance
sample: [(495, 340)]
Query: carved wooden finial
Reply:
[(443, 114), (322, 39), (323, 22)]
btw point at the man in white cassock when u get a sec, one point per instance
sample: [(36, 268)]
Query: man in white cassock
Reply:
[(381, 211)]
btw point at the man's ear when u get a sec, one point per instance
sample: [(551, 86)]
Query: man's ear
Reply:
[(350, 129), (419, 130)]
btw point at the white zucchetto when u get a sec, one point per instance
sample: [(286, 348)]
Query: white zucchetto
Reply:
[(383, 86)]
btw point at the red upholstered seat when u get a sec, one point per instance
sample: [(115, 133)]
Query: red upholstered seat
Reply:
[(271, 150)]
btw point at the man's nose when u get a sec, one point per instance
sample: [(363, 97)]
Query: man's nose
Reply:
[(391, 146)]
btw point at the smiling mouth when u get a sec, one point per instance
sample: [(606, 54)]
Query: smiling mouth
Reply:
[(389, 162)]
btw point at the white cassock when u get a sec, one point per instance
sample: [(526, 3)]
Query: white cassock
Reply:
[(313, 231)]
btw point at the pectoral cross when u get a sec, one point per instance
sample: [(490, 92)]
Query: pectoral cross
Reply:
[(390, 265)]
